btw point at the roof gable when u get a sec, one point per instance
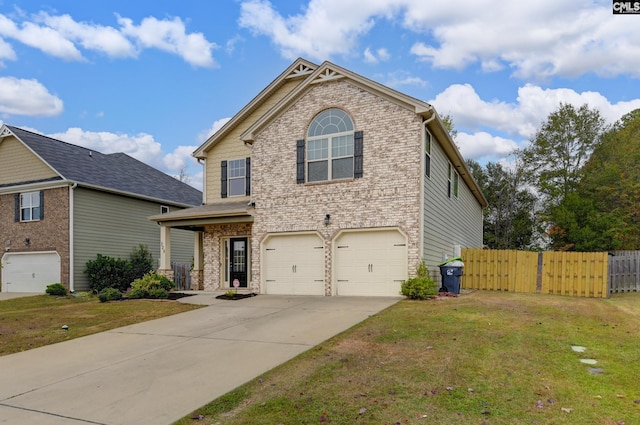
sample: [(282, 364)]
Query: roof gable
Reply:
[(115, 172), (298, 70), (330, 72)]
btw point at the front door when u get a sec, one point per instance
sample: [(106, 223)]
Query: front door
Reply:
[(238, 262)]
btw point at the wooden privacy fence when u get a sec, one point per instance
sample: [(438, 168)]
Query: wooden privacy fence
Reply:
[(624, 271), (578, 274)]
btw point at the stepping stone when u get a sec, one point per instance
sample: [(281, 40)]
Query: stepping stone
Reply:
[(588, 361), (596, 371), (578, 348)]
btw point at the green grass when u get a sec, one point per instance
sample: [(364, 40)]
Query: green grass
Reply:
[(492, 358), (31, 322)]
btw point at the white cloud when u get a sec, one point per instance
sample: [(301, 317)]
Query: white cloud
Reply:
[(142, 146), (217, 125), (92, 37), (327, 27), (171, 36), (403, 78), (482, 145), (6, 51), (43, 38), (536, 39), (27, 97), (523, 118), (377, 56), (61, 36)]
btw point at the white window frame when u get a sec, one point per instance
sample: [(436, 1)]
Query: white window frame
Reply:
[(330, 157), (31, 206), (164, 209), (234, 178)]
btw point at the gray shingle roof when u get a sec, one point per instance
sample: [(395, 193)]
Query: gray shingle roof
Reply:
[(117, 171)]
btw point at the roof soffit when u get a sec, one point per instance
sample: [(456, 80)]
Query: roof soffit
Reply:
[(299, 69)]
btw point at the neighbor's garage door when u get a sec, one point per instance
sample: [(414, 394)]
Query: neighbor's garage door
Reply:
[(370, 263), (293, 265), (29, 272)]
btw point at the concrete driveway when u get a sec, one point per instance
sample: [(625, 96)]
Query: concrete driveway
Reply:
[(158, 371)]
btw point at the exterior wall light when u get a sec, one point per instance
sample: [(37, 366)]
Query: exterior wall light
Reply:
[(327, 219)]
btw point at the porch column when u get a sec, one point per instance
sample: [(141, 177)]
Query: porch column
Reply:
[(165, 252), (197, 274)]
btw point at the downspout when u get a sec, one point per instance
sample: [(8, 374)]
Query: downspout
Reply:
[(71, 238), (423, 182)]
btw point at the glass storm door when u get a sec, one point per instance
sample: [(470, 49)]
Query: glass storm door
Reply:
[(238, 262)]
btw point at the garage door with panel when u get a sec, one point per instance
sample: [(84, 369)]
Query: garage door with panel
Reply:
[(29, 272), (293, 265), (370, 263)]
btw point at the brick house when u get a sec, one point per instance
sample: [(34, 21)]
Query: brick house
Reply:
[(328, 183), (61, 205)]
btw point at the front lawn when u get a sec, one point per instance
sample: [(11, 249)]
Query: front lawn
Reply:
[(32, 322), (483, 358)]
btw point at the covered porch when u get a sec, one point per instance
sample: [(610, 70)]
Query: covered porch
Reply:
[(221, 243)]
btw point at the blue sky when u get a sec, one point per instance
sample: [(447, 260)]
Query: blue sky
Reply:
[(154, 78)]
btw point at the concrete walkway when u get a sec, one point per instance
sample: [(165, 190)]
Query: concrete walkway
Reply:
[(159, 371)]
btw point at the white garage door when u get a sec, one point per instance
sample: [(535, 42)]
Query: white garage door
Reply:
[(370, 263), (293, 265), (29, 272)]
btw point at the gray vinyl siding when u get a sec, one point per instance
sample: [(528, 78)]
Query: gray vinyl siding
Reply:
[(447, 221), (113, 225)]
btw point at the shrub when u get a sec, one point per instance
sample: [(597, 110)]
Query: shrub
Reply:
[(141, 262), (108, 272), (56, 289), (109, 294), (151, 285), (420, 287)]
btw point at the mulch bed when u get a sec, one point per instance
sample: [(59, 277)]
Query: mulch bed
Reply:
[(235, 297)]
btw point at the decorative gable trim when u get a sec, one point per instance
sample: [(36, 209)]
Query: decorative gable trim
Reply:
[(302, 70), (4, 132), (328, 74)]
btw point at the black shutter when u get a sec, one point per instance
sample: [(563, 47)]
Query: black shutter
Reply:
[(42, 205), (223, 179), (16, 198), (247, 176), (300, 161), (357, 154)]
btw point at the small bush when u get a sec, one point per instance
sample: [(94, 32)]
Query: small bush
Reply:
[(109, 294), (141, 262), (421, 287), (151, 285), (56, 289), (108, 272)]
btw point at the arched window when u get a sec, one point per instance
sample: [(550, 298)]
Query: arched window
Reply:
[(330, 147)]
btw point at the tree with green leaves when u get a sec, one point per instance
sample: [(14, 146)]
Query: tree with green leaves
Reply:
[(604, 212), (508, 220), (554, 160)]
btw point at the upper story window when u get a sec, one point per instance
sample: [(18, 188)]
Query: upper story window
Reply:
[(236, 177), (427, 152), (333, 149), (453, 181), (164, 209), (29, 206)]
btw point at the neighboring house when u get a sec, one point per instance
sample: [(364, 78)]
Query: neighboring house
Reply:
[(61, 205), (328, 183)]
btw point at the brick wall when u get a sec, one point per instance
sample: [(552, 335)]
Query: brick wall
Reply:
[(49, 234), (212, 246), (388, 195)]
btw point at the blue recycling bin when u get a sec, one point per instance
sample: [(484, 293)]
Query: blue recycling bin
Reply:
[(451, 270)]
